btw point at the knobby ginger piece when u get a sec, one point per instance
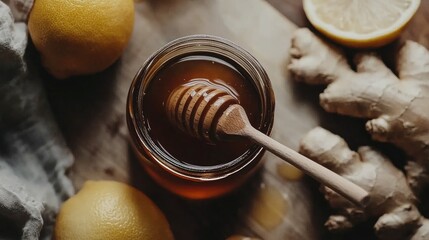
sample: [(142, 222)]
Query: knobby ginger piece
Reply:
[(391, 199), (397, 106)]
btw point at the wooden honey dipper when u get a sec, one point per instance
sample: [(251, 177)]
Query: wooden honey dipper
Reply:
[(211, 113)]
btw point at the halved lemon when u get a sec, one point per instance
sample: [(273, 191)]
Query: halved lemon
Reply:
[(360, 23)]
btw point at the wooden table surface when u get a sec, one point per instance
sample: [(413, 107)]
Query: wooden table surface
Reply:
[(77, 106)]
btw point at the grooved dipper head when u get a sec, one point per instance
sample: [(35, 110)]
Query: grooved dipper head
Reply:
[(196, 109)]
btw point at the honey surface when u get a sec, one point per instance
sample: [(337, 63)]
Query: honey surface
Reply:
[(179, 145)]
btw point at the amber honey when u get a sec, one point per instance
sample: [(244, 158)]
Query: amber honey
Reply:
[(193, 69), (181, 163)]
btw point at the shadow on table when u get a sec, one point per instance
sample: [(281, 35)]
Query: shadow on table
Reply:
[(196, 219)]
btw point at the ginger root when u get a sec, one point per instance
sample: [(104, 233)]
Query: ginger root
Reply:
[(391, 199), (397, 106)]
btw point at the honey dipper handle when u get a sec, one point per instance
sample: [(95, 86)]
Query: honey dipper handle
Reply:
[(341, 185)]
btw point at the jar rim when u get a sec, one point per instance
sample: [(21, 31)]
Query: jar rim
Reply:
[(178, 48)]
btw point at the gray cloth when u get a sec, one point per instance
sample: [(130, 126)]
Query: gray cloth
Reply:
[(33, 154)]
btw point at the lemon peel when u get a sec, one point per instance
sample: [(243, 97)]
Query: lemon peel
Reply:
[(110, 210), (77, 37)]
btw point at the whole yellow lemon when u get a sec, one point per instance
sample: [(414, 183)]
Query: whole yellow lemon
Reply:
[(110, 210), (78, 37)]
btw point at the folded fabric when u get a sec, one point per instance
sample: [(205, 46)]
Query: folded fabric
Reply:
[(33, 153)]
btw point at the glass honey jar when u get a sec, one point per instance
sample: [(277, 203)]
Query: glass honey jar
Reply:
[(182, 164)]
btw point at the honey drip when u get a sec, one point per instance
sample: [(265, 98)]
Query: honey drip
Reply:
[(289, 172), (240, 237), (269, 207)]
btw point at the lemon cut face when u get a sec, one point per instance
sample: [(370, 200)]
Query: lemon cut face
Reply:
[(360, 23)]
